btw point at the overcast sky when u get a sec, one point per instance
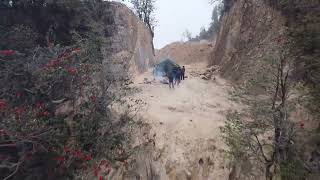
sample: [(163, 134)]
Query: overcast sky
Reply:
[(175, 16)]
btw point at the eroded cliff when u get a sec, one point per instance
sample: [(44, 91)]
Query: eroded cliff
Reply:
[(129, 42), (250, 29), (248, 32)]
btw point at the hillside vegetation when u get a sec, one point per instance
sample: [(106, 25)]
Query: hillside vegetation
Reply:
[(270, 49)]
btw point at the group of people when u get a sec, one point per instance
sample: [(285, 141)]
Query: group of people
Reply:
[(176, 76)]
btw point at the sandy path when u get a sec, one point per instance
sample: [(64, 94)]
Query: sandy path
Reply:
[(186, 122)]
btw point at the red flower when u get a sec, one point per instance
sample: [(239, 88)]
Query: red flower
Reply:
[(3, 104), (29, 156), (93, 98), (7, 52), (301, 125), (96, 170), (3, 132), (77, 50), (40, 105), (72, 70), (78, 154), (52, 149), (19, 110), (54, 63), (101, 178), (44, 114), (104, 163), (88, 157), (60, 159), (19, 94), (66, 149), (85, 168), (66, 55)]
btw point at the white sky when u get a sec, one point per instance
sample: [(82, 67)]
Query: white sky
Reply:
[(176, 16)]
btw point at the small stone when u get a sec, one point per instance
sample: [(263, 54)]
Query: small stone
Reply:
[(204, 77), (201, 161)]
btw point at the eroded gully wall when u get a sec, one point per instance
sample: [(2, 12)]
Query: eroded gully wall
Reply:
[(248, 33), (128, 50)]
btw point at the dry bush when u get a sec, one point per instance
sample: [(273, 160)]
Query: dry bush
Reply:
[(265, 132)]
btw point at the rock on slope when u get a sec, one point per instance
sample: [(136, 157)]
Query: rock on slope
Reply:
[(186, 52)]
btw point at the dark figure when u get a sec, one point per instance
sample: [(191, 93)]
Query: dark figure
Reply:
[(183, 71), (178, 76), (170, 77)]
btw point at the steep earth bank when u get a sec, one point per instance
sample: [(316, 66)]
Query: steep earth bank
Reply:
[(250, 34), (129, 42), (250, 30), (127, 49)]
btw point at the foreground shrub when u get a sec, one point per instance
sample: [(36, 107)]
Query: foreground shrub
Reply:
[(51, 114)]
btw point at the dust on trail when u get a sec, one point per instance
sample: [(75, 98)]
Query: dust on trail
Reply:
[(185, 122)]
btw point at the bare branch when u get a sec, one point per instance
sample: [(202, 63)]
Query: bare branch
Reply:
[(261, 149), (15, 171)]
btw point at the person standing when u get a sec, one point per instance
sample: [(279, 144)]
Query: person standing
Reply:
[(170, 77), (178, 76), (183, 71)]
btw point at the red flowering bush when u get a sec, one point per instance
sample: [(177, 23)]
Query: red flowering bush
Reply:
[(3, 104), (7, 52), (103, 168), (54, 117), (37, 136), (301, 124), (29, 126)]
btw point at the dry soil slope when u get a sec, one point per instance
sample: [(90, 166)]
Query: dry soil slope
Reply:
[(185, 125), (186, 52)]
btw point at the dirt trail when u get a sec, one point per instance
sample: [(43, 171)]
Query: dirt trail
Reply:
[(186, 123)]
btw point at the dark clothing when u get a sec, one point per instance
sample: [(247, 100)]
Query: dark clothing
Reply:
[(182, 76), (178, 75), (183, 70), (170, 77)]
